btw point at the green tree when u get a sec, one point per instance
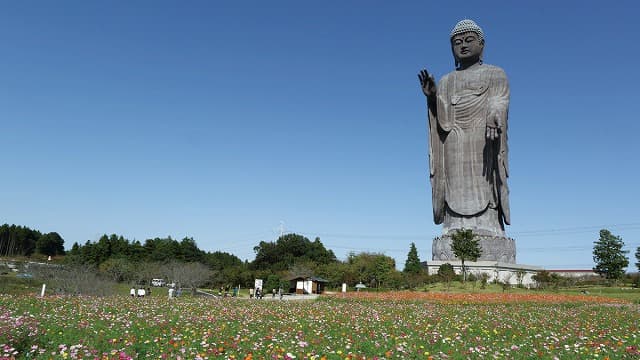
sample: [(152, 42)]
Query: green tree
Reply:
[(74, 256), (319, 254), (290, 249), (50, 244), (542, 278), (219, 260), (17, 240), (609, 257), (162, 249), (110, 252), (336, 273), (465, 246), (272, 282), (412, 265), (95, 253), (189, 251), (385, 268), (638, 258), (446, 273), (301, 270), (370, 268)]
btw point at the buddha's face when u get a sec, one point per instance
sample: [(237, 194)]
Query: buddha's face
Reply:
[(467, 47)]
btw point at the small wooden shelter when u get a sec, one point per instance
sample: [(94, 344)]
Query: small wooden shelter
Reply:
[(307, 285)]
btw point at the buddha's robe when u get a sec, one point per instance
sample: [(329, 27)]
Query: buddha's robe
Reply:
[(468, 171)]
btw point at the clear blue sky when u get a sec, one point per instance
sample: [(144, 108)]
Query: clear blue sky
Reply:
[(220, 120)]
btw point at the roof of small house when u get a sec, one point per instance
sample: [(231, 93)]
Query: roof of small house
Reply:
[(309, 278)]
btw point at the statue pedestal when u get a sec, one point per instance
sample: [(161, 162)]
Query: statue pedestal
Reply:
[(494, 248)]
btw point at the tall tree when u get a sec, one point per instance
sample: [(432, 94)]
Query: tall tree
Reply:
[(50, 244), (17, 240), (288, 250), (608, 255), (465, 246), (371, 268), (412, 265), (219, 260), (638, 258), (446, 273), (162, 249), (189, 251)]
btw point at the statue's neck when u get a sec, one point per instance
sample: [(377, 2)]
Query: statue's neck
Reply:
[(469, 65)]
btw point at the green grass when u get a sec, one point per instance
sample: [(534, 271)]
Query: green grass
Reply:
[(625, 293), (10, 284)]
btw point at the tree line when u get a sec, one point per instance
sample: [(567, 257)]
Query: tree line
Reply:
[(291, 255), (18, 240), (119, 259), (124, 260)]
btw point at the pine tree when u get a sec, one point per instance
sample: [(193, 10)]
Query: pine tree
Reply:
[(608, 255), (412, 265), (638, 258)]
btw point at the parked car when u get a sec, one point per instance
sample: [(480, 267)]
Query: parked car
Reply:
[(157, 282)]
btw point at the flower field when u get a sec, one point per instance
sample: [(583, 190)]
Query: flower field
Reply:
[(358, 326)]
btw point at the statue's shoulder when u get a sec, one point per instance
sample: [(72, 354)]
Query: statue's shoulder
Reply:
[(494, 70), (445, 78)]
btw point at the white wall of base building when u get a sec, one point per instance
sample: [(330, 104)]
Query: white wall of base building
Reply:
[(503, 272)]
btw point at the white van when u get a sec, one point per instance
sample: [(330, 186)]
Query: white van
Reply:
[(157, 282)]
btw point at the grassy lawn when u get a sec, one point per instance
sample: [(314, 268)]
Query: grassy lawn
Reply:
[(627, 293)]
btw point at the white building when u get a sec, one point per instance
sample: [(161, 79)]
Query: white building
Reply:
[(514, 274), (575, 273)]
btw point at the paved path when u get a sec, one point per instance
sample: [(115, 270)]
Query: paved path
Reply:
[(268, 297)]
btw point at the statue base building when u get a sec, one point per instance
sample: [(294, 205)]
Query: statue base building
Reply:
[(494, 248), (512, 274)]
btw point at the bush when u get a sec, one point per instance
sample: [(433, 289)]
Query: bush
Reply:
[(484, 280), (446, 273)]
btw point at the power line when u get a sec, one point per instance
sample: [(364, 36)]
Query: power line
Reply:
[(577, 230), (253, 238), (538, 232), (558, 231)]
